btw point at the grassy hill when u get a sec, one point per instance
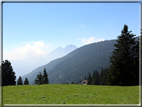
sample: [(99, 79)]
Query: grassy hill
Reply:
[(0, 96), (70, 94)]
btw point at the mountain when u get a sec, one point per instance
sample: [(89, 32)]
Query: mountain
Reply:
[(59, 52), (77, 64), (23, 67)]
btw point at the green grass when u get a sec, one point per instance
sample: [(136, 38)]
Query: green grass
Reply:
[(70, 94), (0, 96)]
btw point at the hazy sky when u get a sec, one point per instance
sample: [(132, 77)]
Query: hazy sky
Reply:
[(33, 29)]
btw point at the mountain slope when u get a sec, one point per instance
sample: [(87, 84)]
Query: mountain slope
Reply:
[(31, 63), (87, 59), (77, 64)]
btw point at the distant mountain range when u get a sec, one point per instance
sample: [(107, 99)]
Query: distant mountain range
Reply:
[(27, 65), (77, 64)]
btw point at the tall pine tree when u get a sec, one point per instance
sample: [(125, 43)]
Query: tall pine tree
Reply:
[(89, 79), (20, 81), (8, 75), (104, 76), (39, 79), (101, 76), (123, 69), (42, 79), (85, 78), (26, 82), (45, 77), (140, 57), (95, 78)]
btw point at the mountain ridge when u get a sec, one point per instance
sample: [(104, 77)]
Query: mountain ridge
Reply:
[(28, 66), (63, 69)]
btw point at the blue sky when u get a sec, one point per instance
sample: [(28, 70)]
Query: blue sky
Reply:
[(33, 29)]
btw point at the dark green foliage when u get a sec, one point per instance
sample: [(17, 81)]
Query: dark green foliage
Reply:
[(89, 79), (67, 83), (101, 76), (20, 81), (124, 66), (72, 82), (45, 77), (85, 78), (95, 78), (104, 76), (98, 78), (26, 82), (39, 79), (42, 79), (140, 56), (8, 75)]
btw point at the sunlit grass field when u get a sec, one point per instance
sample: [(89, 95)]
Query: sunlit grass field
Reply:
[(70, 94), (0, 97)]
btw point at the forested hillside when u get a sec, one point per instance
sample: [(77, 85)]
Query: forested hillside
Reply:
[(77, 64), (87, 59)]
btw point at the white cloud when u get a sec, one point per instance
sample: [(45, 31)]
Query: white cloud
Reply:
[(30, 49), (90, 40)]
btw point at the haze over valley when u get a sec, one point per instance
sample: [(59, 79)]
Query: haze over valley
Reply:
[(31, 63), (77, 64)]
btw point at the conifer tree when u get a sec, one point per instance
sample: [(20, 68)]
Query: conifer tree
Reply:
[(20, 81), (39, 79), (85, 78), (104, 76), (72, 82), (45, 77), (101, 76), (89, 79), (26, 82), (42, 79), (95, 78), (8, 75), (123, 69), (140, 56)]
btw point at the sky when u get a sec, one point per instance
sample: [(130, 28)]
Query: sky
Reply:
[(35, 29)]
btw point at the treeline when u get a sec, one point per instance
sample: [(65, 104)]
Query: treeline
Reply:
[(42, 79), (97, 78), (8, 75), (9, 78), (20, 81)]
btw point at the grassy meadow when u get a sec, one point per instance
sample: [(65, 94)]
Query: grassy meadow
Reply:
[(0, 96), (70, 94)]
